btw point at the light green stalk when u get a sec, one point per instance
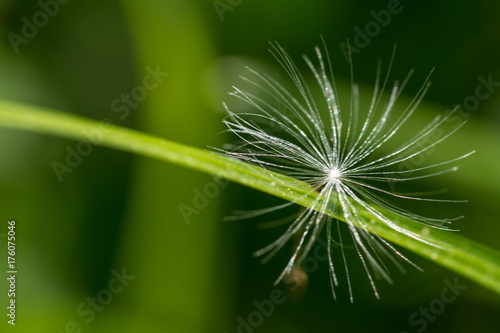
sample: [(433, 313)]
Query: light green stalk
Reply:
[(466, 257)]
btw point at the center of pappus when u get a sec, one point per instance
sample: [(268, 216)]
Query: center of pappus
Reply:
[(334, 174)]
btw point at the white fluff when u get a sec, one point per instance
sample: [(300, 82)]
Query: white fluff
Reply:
[(324, 146)]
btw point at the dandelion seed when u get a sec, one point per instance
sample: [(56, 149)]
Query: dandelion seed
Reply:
[(323, 145)]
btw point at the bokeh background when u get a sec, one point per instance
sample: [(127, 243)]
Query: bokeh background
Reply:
[(115, 212)]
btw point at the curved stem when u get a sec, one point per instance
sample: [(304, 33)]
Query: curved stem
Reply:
[(466, 257)]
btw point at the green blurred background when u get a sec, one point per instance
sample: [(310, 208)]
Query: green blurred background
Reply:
[(116, 212)]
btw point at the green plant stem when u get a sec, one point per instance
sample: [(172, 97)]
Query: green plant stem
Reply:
[(466, 257)]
